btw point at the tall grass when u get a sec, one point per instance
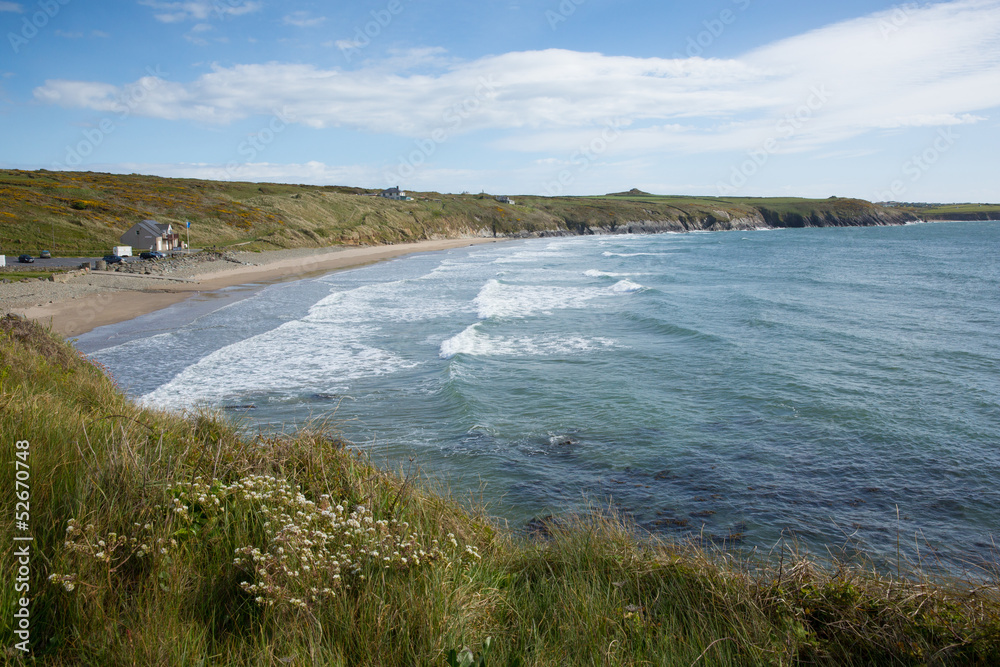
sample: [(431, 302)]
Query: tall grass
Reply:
[(163, 540)]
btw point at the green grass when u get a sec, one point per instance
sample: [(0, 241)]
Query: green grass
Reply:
[(171, 582), (85, 213), (955, 211)]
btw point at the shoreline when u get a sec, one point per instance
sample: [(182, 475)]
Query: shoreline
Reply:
[(94, 300), (87, 302)]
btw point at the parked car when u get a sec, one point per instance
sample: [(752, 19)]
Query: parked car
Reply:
[(45, 255), (152, 254), (113, 259), (26, 259)]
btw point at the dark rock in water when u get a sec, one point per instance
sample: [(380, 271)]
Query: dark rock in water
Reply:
[(562, 441), (324, 397), (250, 406), (663, 474)]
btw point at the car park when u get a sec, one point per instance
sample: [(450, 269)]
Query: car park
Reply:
[(26, 259)]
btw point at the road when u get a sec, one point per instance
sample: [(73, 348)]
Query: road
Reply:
[(59, 262)]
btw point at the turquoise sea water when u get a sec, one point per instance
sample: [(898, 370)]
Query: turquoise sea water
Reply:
[(839, 386)]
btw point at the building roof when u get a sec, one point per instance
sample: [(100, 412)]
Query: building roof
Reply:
[(146, 229)]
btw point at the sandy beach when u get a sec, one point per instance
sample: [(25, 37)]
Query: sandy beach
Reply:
[(90, 300)]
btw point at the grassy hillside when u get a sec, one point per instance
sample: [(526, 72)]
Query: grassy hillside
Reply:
[(161, 540), (86, 213), (954, 211)]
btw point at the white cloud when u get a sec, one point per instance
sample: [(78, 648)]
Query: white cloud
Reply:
[(200, 10), (302, 19), (195, 34), (933, 120), (11, 7), (83, 94), (935, 65), (309, 173)]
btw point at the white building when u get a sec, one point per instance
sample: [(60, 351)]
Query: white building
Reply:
[(395, 194), (504, 199)]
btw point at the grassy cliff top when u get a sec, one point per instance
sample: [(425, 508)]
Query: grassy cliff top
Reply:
[(162, 540), (85, 213), (953, 211)]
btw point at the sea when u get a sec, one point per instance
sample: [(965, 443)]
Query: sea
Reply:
[(832, 390)]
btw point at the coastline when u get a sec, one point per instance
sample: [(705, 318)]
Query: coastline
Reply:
[(88, 301)]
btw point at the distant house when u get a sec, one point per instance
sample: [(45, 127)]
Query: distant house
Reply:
[(150, 234), (504, 199), (396, 194)]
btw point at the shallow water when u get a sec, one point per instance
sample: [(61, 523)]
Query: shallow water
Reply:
[(738, 386)]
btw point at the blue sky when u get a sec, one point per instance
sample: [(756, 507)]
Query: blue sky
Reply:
[(858, 98)]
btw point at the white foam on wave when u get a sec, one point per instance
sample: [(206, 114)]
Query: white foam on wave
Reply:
[(159, 341), (626, 287), (449, 268), (496, 299), (594, 273), (500, 300), (470, 341), (325, 350), (294, 357), (528, 256), (635, 254), (400, 301), (474, 342)]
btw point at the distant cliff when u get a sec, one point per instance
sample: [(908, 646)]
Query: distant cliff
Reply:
[(984, 216), (628, 213)]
